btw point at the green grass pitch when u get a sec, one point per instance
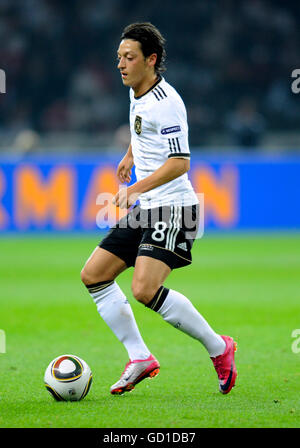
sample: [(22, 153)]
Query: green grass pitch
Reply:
[(246, 286)]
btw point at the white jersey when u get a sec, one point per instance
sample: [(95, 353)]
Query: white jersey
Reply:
[(159, 130)]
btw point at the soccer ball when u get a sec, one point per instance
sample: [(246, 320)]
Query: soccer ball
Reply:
[(68, 378)]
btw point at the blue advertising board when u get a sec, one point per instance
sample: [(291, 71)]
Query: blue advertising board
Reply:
[(73, 194)]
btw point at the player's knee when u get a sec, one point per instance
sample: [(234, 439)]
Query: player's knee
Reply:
[(142, 292), (85, 276), (88, 278)]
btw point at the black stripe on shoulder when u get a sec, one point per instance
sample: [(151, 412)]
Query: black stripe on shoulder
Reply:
[(178, 145), (159, 93), (160, 88), (156, 96), (170, 145), (185, 155)]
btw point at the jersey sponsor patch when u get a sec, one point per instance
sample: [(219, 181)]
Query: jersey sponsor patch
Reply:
[(138, 124), (171, 129)]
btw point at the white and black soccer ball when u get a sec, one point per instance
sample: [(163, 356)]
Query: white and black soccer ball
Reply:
[(68, 378)]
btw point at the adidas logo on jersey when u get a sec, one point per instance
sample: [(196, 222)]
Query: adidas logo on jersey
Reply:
[(182, 246)]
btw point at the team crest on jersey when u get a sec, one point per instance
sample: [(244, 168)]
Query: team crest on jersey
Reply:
[(138, 124)]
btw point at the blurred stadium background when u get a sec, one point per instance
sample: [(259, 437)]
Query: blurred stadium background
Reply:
[(63, 129), (64, 116)]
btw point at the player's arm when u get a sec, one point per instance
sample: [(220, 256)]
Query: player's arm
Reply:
[(125, 166), (170, 170)]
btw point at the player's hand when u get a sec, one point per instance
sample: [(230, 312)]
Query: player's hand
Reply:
[(124, 169), (125, 197)]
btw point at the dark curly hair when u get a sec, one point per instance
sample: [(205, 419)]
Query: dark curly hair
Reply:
[(151, 42)]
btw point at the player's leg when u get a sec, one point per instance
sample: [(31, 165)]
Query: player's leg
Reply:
[(101, 266), (178, 310), (148, 277), (174, 307), (98, 275)]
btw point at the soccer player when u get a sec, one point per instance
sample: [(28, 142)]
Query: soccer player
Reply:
[(157, 235)]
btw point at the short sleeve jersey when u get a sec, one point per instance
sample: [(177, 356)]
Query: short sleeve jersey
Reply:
[(159, 130)]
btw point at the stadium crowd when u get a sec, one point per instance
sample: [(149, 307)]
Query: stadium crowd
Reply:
[(231, 62)]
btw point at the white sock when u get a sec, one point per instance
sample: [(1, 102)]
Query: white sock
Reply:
[(116, 311), (180, 312)]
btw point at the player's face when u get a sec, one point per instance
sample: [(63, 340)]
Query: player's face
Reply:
[(133, 65)]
